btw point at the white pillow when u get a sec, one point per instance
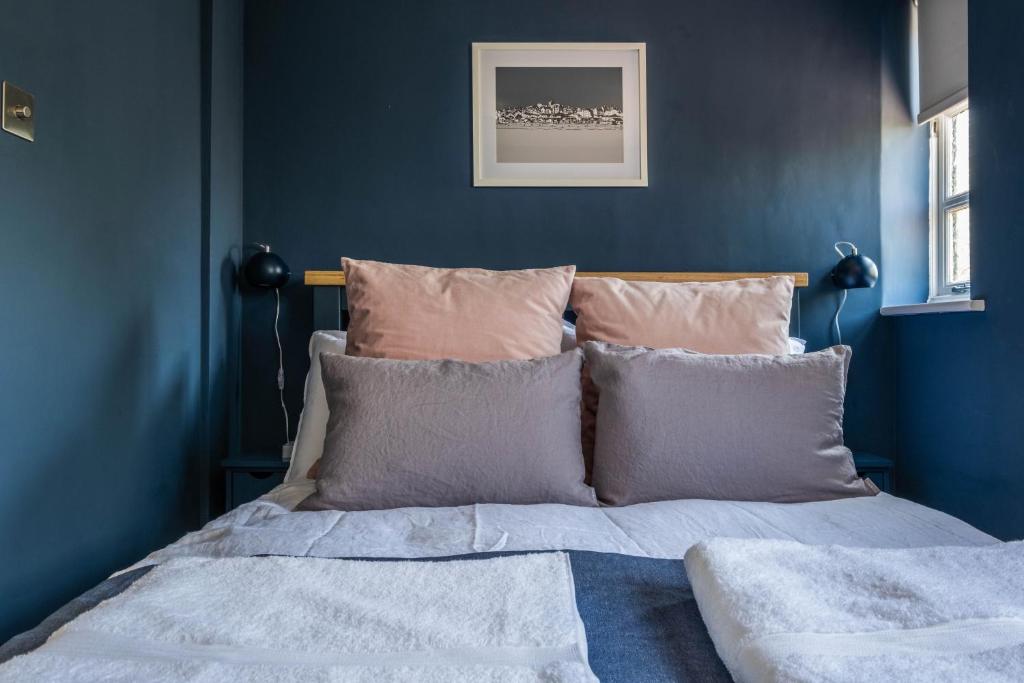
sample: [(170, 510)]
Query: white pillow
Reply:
[(568, 336), (797, 345), (309, 438)]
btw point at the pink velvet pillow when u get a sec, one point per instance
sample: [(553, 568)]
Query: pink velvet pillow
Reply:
[(419, 313), (732, 317)]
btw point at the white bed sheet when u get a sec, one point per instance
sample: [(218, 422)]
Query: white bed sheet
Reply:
[(663, 530)]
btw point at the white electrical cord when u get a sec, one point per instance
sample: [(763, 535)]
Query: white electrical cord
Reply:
[(842, 300), (280, 365), (835, 320), (851, 245)]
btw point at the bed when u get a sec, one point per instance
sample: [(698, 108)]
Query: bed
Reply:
[(609, 541), (632, 613)]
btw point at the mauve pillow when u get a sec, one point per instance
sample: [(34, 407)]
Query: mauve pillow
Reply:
[(416, 313), (444, 433), (567, 344), (736, 316), (675, 424)]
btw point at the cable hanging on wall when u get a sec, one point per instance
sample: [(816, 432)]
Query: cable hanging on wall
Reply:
[(267, 270), (280, 364)]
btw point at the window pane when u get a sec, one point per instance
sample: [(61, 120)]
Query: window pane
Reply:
[(958, 154), (958, 245)]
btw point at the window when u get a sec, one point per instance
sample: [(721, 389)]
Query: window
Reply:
[(951, 205)]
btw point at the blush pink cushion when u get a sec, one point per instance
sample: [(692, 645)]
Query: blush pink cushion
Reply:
[(419, 313), (737, 316), (732, 317)]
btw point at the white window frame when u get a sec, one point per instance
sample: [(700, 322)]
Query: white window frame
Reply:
[(940, 289)]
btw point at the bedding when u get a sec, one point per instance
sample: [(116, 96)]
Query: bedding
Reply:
[(497, 619), (632, 592), (746, 427), (568, 336), (309, 439), (419, 313), (664, 529), (309, 436), (444, 432), (312, 426), (737, 316), (783, 611), (616, 597)]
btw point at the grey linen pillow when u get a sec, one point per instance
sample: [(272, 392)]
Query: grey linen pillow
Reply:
[(432, 433), (675, 424)]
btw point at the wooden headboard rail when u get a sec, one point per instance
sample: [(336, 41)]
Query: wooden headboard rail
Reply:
[(336, 278), (330, 306)]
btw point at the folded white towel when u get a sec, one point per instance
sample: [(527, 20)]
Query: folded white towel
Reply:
[(784, 611), (301, 619)]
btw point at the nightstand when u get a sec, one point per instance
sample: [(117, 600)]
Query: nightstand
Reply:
[(880, 470), (249, 477)]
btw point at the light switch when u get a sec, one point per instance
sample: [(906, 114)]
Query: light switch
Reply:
[(19, 115)]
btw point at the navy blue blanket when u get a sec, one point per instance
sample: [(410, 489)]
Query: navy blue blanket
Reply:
[(642, 622)]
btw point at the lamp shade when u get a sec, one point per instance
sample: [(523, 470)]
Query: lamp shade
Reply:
[(266, 269), (854, 270)]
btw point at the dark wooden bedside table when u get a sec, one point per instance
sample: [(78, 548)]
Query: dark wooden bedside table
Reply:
[(880, 470), (249, 477)]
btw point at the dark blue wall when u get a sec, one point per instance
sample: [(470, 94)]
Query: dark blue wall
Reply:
[(115, 339), (958, 378), (764, 150), (100, 264)]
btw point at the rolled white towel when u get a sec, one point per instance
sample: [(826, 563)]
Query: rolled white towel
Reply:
[(784, 611)]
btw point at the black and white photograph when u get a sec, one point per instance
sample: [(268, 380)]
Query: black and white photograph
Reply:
[(559, 114)]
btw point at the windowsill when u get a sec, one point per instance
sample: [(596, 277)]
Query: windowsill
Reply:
[(947, 306)]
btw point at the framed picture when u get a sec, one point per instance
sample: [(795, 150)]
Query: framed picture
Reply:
[(559, 114)]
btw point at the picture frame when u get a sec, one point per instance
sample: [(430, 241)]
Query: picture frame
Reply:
[(559, 115)]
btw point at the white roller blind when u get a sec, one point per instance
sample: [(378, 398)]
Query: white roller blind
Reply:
[(942, 55)]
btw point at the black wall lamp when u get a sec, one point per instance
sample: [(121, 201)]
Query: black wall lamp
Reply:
[(854, 271), (267, 270)]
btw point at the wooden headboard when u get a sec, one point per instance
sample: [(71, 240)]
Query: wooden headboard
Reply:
[(329, 306)]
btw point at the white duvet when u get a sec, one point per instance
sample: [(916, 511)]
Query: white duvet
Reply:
[(664, 529)]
